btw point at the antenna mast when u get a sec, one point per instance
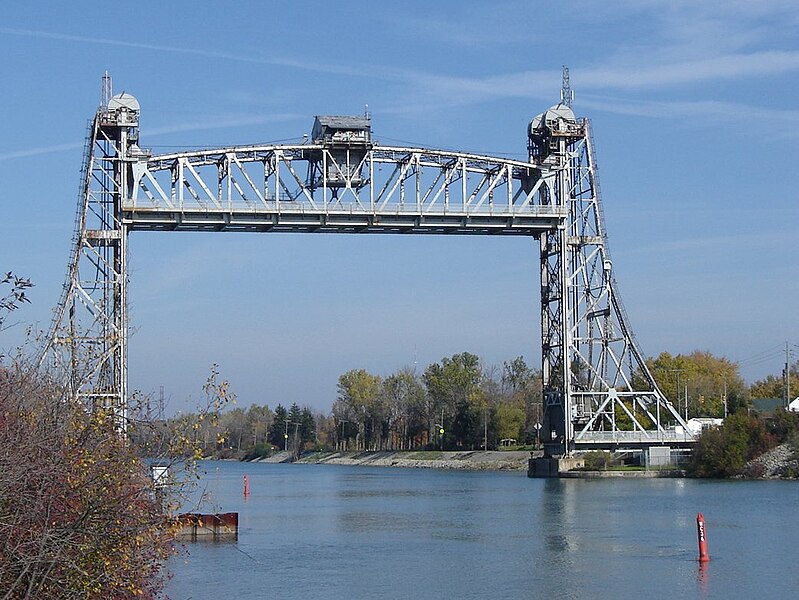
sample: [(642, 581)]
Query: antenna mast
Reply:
[(105, 93), (566, 93)]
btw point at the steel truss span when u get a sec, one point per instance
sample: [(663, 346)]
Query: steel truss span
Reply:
[(598, 391)]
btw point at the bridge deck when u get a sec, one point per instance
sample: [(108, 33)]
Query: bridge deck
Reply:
[(633, 439), (301, 217)]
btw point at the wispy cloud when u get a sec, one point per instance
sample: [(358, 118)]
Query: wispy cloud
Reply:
[(648, 75), (641, 75), (228, 122), (702, 113), (704, 245), (640, 88), (640, 72), (691, 47)]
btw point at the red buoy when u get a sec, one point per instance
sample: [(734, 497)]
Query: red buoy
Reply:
[(701, 535), (246, 486)]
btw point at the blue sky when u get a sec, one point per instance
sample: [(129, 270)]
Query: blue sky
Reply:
[(695, 120)]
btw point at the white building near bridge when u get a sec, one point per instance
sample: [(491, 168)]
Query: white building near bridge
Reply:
[(698, 424)]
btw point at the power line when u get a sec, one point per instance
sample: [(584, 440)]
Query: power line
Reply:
[(472, 151), (192, 146), (762, 356)]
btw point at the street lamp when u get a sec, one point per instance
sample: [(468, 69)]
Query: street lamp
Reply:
[(441, 435), (441, 430)]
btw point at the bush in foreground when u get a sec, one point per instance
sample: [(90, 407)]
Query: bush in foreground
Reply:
[(77, 516)]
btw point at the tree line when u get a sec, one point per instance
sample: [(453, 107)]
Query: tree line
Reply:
[(457, 403), (454, 404)]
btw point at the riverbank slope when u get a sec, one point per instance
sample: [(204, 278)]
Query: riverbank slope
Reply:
[(466, 460)]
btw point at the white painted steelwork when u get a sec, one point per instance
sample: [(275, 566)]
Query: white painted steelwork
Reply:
[(288, 188), (597, 388), (595, 378)]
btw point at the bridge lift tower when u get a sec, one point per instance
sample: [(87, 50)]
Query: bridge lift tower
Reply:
[(597, 389)]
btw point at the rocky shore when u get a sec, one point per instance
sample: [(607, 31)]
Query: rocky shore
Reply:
[(467, 460), (777, 463)]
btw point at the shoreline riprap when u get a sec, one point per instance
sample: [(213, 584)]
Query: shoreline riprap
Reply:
[(463, 460)]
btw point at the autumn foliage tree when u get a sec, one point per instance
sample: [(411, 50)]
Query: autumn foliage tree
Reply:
[(359, 402), (723, 451), (776, 386), (77, 514), (705, 377)]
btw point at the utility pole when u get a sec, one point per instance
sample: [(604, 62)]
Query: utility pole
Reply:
[(787, 376), (725, 399), (485, 428), (686, 400), (677, 387)]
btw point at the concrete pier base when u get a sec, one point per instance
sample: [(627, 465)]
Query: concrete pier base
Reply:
[(553, 467)]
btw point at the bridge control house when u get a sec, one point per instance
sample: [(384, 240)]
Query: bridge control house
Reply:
[(348, 139)]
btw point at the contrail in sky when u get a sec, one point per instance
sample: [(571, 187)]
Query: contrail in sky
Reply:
[(37, 151), (211, 123), (381, 73)]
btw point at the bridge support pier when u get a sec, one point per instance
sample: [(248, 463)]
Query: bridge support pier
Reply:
[(545, 466)]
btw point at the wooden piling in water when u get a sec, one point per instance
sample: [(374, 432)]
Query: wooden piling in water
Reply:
[(197, 526)]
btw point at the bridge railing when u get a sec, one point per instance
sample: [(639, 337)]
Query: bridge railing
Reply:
[(635, 437), (288, 205)]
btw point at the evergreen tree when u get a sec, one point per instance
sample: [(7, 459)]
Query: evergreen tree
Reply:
[(307, 425), (277, 430)]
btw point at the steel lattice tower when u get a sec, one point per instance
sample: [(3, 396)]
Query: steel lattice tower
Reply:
[(88, 335), (594, 375)]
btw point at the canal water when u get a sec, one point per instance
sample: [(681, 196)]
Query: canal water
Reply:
[(310, 531)]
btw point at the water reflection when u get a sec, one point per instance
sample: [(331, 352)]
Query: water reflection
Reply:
[(554, 563), (703, 578), (393, 533), (557, 515)]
